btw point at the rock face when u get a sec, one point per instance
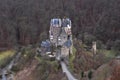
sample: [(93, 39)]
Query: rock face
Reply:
[(110, 71)]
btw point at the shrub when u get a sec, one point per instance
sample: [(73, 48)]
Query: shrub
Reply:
[(88, 39), (90, 74), (82, 74), (109, 44), (100, 45), (116, 45), (15, 68)]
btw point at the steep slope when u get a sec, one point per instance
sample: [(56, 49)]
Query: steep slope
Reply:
[(110, 71)]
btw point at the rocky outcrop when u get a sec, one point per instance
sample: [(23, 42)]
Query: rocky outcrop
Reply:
[(110, 71)]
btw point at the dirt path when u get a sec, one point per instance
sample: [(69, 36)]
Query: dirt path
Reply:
[(26, 73)]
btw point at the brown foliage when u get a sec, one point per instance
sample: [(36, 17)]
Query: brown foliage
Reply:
[(116, 71)]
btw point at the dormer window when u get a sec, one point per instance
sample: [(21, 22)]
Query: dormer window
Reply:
[(56, 22), (66, 22)]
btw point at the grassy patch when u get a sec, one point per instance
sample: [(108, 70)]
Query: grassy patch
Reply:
[(74, 49), (71, 59), (109, 53), (5, 57)]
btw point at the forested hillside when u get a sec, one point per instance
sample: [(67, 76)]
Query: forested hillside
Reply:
[(27, 21)]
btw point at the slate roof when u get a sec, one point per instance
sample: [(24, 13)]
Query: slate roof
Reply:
[(45, 44), (68, 43)]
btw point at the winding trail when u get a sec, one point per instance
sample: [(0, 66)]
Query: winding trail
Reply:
[(67, 72), (63, 64)]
